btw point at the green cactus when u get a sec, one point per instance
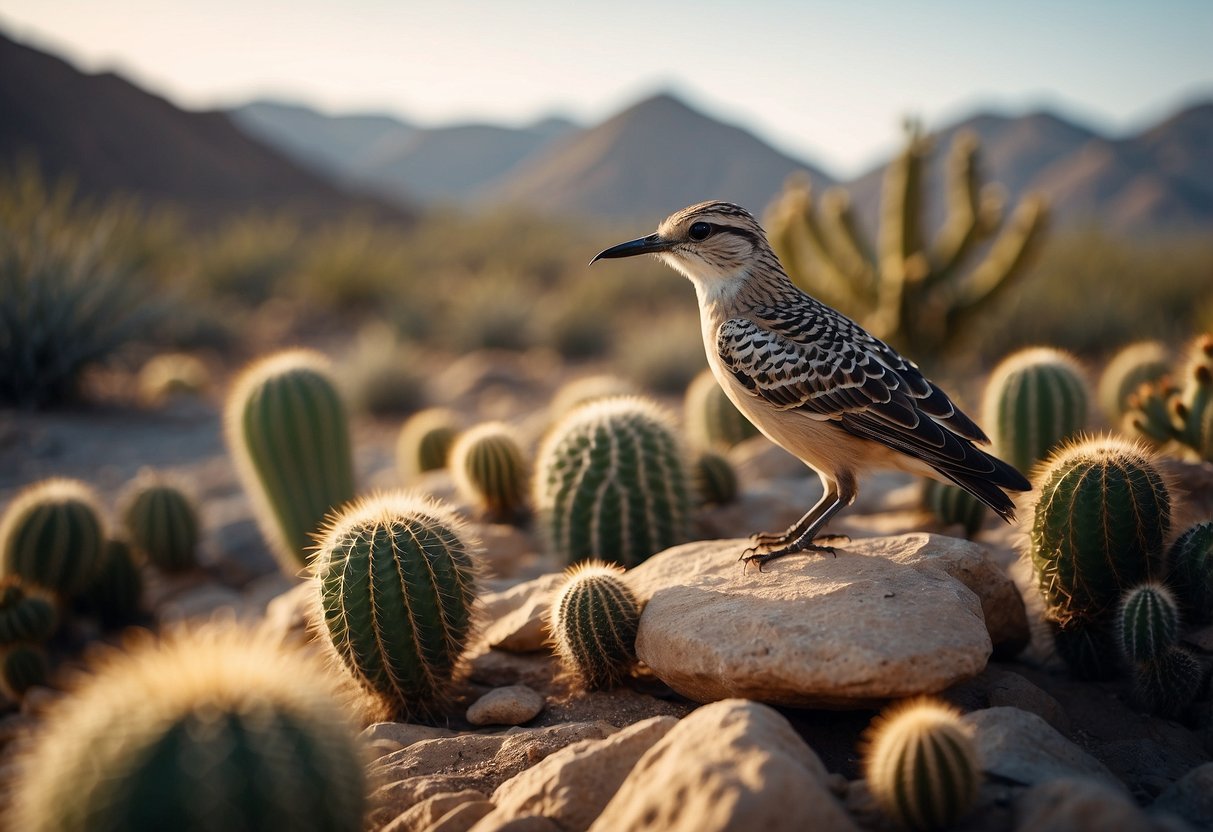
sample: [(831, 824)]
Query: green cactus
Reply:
[(1168, 683), (588, 389), (214, 729), (611, 483), (397, 575), (22, 666), (27, 614), (425, 442), (1190, 572), (713, 478), (52, 535), (594, 619), (162, 524), (491, 472), (1178, 418), (1098, 529), (918, 297), (1088, 648), (953, 506), (921, 765), (1129, 369), (712, 420), (1034, 400), (115, 593), (287, 429), (1149, 622)]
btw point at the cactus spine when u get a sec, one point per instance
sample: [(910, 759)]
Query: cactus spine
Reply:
[(1190, 572), (52, 535), (22, 666), (714, 479), (288, 431), (594, 619), (1149, 622), (116, 591), (921, 765), (215, 729), (162, 524), (1035, 400), (953, 506), (611, 483), (915, 295), (425, 442), (396, 577), (1129, 369), (26, 613), (490, 471), (712, 420)]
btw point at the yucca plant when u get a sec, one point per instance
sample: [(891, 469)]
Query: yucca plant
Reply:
[(214, 729), (593, 621)]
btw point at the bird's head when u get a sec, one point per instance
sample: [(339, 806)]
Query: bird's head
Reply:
[(715, 244)]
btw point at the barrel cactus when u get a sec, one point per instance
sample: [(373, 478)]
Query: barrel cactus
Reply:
[(1148, 624), (22, 666), (425, 442), (611, 483), (52, 535), (921, 765), (287, 429), (713, 478), (1128, 370), (1168, 683), (589, 389), (594, 619), (712, 420), (397, 582), (1034, 400), (115, 594), (27, 614), (162, 524), (491, 472), (1190, 572), (953, 506), (210, 730)]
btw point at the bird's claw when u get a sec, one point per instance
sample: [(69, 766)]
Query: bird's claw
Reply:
[(752, 555)]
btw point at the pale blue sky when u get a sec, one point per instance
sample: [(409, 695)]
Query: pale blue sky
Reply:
[(828, 81)]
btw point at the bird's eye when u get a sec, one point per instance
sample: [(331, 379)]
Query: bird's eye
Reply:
[(700, 231)]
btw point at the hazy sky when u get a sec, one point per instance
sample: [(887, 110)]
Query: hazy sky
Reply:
[(828, 81)]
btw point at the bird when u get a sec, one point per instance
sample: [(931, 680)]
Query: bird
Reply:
[(812, 380)]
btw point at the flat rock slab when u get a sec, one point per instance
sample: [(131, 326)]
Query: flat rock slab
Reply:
[(884, 619)]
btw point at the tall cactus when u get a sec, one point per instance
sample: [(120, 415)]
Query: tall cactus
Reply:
[(1190, 572), (27, 614), (396, 575), (1129, 369), (611, 483), (287, 429), (215, 729), (491, 472), (1178, 416), (916, 295), (921, 765), (712, 420), (52, 535), (594, 619), (425, 442), (1035, 399), (162, 524)]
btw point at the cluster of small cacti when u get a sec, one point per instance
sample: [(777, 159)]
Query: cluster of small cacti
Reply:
[(593, 623), (611, 483), (425, 442), (52, 535), (288, 431), (921, 765), (914, 294), (216, 729), (161, 524), (712, 420), (396, 577), (490, 472), (1178, 415), (1166, 677)]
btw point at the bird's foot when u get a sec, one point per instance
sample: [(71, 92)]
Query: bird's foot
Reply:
[(777, 540), (752, 555)]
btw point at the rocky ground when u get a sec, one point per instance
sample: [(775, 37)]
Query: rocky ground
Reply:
[(793, 662)]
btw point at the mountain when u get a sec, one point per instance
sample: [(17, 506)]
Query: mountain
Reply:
[(113, 137), (648, 160)]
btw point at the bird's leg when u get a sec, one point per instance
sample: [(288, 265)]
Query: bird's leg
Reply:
[(775, 540), (837, 495)]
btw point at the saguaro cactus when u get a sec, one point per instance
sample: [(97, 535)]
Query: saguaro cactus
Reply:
[(396, 575), (288, 432), (594, 620), (52, 535), (914, 295), (611, 482)]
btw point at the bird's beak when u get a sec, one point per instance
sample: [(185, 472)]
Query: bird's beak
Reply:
[(651, 244)]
